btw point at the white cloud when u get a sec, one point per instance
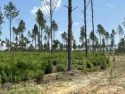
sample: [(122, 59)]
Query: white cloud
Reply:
[(45, 8), (58, 4), (34, 10), (75, 23), (110, 5)]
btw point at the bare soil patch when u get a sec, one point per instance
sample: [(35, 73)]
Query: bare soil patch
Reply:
[(92, 83)]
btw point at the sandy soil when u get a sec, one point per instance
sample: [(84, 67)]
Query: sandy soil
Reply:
[(103, 82)]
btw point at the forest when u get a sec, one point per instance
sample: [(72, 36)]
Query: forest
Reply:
[(35, 62)]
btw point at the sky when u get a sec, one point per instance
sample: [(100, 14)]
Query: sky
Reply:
[(108, 13)]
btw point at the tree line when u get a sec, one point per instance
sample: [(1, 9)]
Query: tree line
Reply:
[(41, 32), (33, 41)]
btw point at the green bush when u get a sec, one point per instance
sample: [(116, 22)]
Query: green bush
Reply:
[(89, 64), (55, 61), (34, 65), (48, 68), (79, 67), (95, 61), (103, 64), (39, 75), (92, 69), (21, 65), (4, 77), (60, 67)]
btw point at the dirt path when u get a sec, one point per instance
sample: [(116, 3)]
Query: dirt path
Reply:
[(91, 83), (74, 85)]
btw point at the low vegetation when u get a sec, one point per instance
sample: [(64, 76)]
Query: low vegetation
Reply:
[(17, 67)]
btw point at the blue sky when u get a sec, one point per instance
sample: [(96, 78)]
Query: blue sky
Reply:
[(109, 13)]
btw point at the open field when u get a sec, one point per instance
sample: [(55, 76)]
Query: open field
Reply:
[(110, 81), (62, 47)]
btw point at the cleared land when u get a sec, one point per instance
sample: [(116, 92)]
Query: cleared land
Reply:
[(110, 81)]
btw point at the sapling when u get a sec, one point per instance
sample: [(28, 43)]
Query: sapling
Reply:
[(111, 69), (0, 81)]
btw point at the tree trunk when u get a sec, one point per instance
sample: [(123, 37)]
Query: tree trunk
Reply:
[(92, 9), (51, 24), (48, 43), (39, 39), (13, 37), (35, 41), (85, 28), (41, 43), (100, 43), (83, 43), (107, 46), (10, 34), (69, 34)]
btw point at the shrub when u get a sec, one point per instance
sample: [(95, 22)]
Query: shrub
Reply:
[(78, 62), (92, 69), (39, 75), (25, 75), (103, 66), (94, 62), (60, 76), (87, 64), (48, 68), (55, 61), (103, 63), (4, 77), (79, 67), (60, 67), (21, 65), (33, 65)]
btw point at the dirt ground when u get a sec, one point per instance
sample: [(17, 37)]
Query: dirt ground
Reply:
[(110, 81)]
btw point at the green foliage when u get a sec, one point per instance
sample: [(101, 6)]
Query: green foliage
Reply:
[(88, 64), (48, 68), (10, 11), (55, 62), (39, 75), (60, 67), (4, 77), (91, 69), (26, 66), (60, 76), (1, 19), (21, 65), (96, 62)]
